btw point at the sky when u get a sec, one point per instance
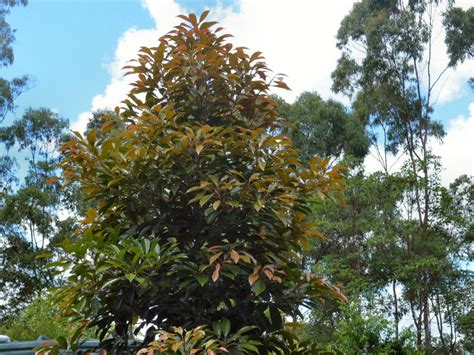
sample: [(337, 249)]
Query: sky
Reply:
[(74, 51)]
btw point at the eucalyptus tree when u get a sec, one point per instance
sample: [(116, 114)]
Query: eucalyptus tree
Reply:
[(459, 34), (9, 89), (325, 128), (459, 40), (386, 68), (30, 223), (28, 219)]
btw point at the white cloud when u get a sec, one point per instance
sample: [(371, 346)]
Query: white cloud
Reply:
[(297, 38), (457, 149), (164, 13)]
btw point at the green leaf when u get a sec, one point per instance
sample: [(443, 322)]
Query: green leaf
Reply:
[(203, 200), (102, 268), (62, 342), (250, 347), (130, 277), (258, 205), (157, 249), (91, 136), (44, 256), (56, 264), (225, 327), (196, 198), (146, 246), (245, 329), (110, 282), (258, 287), (140, 280), (214, 179), (202, 279), (216, 327)]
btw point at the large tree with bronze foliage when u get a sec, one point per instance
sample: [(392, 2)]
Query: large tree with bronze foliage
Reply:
[(200, 205)]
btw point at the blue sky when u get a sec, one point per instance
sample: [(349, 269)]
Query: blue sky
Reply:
[(73, 50)]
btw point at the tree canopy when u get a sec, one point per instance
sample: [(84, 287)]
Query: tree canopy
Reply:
[(324, 128), (9, 89)]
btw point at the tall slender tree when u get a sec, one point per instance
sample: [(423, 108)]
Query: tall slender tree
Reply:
[(384, 45)]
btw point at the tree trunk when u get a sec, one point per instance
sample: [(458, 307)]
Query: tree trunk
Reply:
[(419, 338), (436, 306), (417, 321), (426, 323), (395, 313)]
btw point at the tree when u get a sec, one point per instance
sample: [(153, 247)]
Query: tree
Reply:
[(29, 221), (384, 45), (453, 211), (42, 317), (99, 117), (29, 209), (9, 89), (362, 330), (201, 202), (460, 34), (359, 250), (324, 128)]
